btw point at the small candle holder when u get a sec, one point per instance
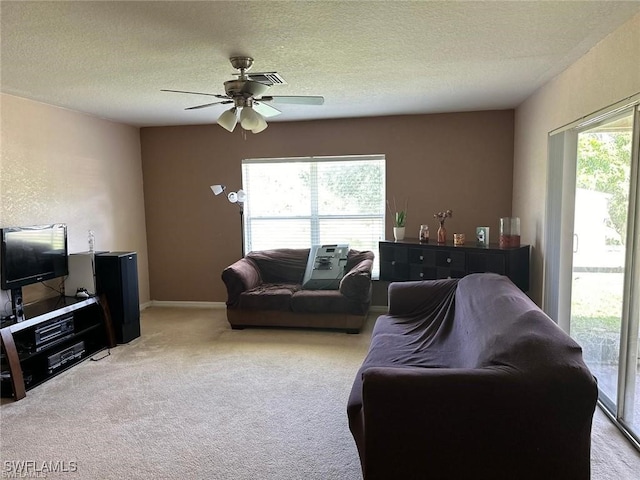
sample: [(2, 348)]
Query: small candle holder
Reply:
[(458, 239)]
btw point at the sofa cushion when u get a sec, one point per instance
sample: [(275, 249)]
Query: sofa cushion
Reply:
[(354, 257), (316, 301), (283, 265), (269, 296)]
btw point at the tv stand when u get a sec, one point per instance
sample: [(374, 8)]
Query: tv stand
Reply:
[(57, 333)]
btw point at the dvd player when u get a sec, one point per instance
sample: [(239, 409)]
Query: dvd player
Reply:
[(59, 359), (57, 329)]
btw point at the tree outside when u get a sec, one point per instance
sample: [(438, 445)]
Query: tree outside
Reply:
[(604, 159)]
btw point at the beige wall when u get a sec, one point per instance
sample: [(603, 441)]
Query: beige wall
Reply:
[(62, 166), (461, 161), (607, 74)]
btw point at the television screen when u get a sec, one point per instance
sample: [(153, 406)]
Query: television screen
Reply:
[(32, 254)]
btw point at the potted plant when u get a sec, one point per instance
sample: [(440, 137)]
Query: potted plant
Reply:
[(399, 218)]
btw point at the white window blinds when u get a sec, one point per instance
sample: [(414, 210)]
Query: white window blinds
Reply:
[(300, 202)]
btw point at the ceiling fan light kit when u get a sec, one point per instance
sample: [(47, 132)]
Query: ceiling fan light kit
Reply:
[(242, 92), (249, 119), (262, 125), (228, 119)]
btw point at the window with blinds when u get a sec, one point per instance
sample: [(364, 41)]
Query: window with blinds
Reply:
[(300, 202)]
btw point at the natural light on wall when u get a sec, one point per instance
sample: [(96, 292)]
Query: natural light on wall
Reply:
[(300, 202)]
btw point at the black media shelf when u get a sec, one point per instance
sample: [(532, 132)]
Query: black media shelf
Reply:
[(57, 334)]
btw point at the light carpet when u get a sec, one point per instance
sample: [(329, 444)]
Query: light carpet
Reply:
[(193, 399)]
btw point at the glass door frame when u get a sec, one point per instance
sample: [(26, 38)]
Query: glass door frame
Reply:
[(631, 306), (558, 246)]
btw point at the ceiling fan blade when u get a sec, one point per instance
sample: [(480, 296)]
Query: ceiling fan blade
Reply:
[(208, 105), (265, 110), (299, 100), (217, 95)]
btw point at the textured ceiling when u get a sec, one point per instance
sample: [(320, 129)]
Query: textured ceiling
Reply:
[(110, 59)]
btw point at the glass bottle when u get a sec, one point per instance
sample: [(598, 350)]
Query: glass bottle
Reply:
[(92, 241)]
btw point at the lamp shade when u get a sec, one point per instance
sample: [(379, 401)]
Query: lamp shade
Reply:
[(217, 189), (228, 119), (262, 124), (249, 119), (242, 196)]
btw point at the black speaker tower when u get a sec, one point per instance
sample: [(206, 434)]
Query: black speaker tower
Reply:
[(117, 278)]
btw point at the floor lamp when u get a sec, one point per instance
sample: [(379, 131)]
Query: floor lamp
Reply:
[(238, 198)]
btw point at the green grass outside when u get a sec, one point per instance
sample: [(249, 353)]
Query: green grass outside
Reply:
[(596, 303)]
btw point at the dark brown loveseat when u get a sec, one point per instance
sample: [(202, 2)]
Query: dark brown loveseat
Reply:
[(469, 379), (265, 289)]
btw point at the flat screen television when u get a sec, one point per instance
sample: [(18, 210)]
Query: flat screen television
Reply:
[(32, 254)]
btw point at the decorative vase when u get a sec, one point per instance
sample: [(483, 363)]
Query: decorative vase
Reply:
[(398, 233), (442, 234)]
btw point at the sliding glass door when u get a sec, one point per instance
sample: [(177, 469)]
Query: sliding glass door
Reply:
[(601, 250), (592, 250)]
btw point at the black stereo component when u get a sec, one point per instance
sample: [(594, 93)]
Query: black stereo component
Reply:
[(57, 329), (59, 359), (7, 320)]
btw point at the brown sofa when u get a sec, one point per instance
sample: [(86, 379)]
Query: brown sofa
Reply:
[(469, 379), (265, 289)]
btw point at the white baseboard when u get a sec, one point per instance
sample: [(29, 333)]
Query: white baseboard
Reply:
[(178, 304), (221, 305)]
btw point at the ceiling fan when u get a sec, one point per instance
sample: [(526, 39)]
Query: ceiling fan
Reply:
[(246, 93)]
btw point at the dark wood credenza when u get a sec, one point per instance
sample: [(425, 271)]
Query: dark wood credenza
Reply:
[(409, 259)]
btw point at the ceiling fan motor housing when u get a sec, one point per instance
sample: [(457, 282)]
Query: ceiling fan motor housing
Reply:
[(244, 88)]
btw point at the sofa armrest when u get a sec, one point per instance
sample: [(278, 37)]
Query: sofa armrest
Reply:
[(409, 298), (471, 423), (356, 284), (239, 277)]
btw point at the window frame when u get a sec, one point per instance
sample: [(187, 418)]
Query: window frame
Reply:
[(314, 217)]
